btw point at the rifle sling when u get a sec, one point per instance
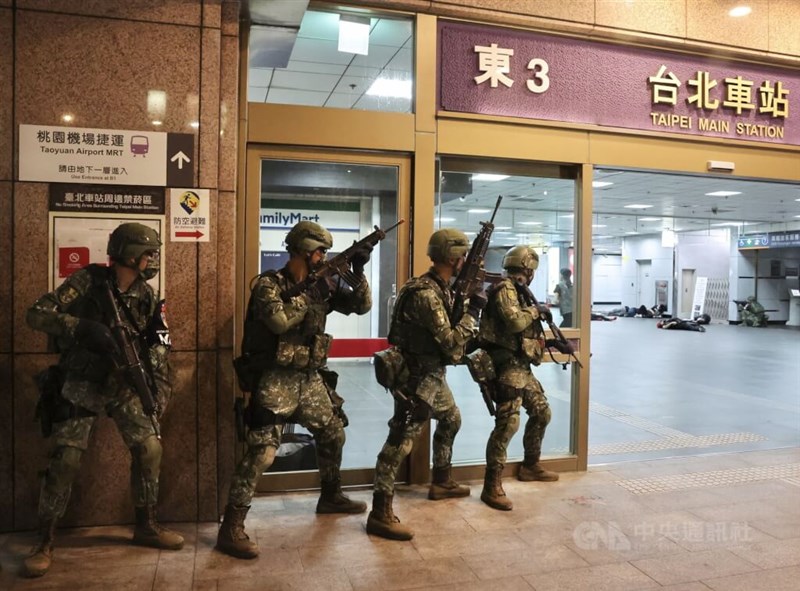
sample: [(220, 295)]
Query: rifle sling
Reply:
[(148, 366)]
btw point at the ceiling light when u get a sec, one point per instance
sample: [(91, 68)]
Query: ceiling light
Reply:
[(598, 184), (598, 225), (631, 232), (797, 199), (649, 219), (447, 219), (157, 123), (530, 223), (390, 88), (489, 177), (637, 206), (569, 215), (354, 34), (68, 119), (797, 216), (502, 228), (478, 210), (740, 11), (723, 193)]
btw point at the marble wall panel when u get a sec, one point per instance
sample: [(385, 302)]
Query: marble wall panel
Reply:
[(207, 433), (227, 390), (6, 445), (5, 2), (228, 108), (784, 19), (6, 93), (178, 484), (212, 13), (207, 282), (103, 80), (226, 273), (666, 17), (31, 267), (209, 109), (708, 21), (6, 268), (186, 12), (577, 11), (181, 292), (230, 17)]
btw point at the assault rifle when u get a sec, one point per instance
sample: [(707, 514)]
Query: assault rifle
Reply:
[(339, 265), (128, 358), (471, 277), (559, 342)]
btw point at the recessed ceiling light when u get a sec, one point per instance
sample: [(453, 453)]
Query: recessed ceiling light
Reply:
[(598, 225), (489, 177), (389, 88), (530, 223), (598, 184), (797, 216), (649, 219), (740, 11), (447, 219), (478, 210), (631, 232), (637, 206), (797, 199), (723, 193), (354, 34), (572, 215), (498, 228)]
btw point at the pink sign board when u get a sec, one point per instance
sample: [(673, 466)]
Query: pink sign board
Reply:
[(506, 72)]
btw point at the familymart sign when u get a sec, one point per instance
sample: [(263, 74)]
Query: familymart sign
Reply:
[(496, 71)]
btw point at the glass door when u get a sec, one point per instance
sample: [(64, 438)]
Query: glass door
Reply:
[(349, 194)]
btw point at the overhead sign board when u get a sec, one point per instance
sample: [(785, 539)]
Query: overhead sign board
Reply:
[(189, 215), (104, 156)]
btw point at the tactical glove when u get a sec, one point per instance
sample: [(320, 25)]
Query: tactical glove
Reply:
[(477, 302), (360, 258), (95, 336)]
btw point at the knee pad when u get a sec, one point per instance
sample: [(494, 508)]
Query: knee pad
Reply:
[(147, 455), (262, 456)]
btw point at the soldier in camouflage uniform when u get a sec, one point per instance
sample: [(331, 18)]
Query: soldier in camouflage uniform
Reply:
[(287, 341), (421, 330), (753, 313), (511, 332), (75, 316)]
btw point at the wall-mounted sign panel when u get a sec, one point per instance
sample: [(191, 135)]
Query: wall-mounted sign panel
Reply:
[(507, 72), (788, 239), (104, 156), (106, 199), (189, 215)]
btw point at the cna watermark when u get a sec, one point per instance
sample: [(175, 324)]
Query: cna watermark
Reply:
[(594, 535)]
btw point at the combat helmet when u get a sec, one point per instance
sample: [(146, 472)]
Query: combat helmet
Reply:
[(307, 236), (447, 243), (521, 257), (131, 241)]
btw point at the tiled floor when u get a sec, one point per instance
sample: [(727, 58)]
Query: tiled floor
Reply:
[(726, 522)]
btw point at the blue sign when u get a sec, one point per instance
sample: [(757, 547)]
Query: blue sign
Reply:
[(755, 241), (789, 239)]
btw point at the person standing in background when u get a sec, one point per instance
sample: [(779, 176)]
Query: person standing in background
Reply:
[(564, 292)]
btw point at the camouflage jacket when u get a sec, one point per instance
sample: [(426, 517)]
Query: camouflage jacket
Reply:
[(80, 296), (511, 327), (421, 325), (292, 334)]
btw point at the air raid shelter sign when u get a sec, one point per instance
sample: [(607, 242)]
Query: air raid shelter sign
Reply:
[(495, 71)]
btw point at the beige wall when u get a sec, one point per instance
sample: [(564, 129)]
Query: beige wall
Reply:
[(96, 60)]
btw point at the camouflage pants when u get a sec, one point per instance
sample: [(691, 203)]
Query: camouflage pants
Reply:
[(507, 421), (70, 441), (402, 433), (293, 396)]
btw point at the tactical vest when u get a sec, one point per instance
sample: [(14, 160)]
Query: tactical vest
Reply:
[(410, 337), (496, 338), (304, 346)]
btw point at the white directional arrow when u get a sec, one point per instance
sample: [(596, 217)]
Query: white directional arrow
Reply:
[(181, 158)]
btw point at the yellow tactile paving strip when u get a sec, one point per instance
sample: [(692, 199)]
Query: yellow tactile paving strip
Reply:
[(682, 442), (675, 482)]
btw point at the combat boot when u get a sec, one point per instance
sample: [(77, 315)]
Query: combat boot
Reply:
[(383, 522), (534, 471), (493, 493), (148, 532), (231, 538), (444, 487), (332, 500), (38, 563)]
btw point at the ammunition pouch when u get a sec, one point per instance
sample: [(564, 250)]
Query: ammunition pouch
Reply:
[(532, 349), (52, 407), (391, 369), (480, 366), (298, 356)]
